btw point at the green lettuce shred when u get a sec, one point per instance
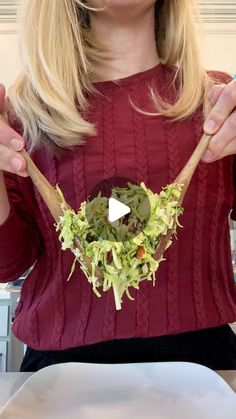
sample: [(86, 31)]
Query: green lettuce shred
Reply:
[(108, 245)]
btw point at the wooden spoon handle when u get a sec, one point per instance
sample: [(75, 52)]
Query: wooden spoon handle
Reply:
[(183, 178), (187, 172), (46, 190)]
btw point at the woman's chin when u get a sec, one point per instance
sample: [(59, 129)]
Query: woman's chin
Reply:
[(120, 3)]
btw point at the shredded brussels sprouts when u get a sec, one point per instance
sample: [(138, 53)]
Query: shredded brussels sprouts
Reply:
[(123, 262)]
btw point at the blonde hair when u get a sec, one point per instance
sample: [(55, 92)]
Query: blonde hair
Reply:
[(60, 57)]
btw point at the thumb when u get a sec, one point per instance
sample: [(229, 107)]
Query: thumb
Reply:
[(2, 98), (214, 93)]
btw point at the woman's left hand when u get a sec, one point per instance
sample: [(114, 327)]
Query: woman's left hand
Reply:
[(221, 122)]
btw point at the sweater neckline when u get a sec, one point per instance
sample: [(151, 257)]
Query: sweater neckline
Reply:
[(134, 78)]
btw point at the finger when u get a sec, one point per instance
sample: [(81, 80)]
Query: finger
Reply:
[(228, 150), (221, 139), (214, 93), (7, 168), (2, 98), (11, 160), (7, 134), (222, 109)]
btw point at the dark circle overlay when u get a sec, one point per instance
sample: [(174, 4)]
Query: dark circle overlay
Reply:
[(121, 230)]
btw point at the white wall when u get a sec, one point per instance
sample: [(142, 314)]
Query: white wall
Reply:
[(218, 44), (219, 51), (9, 57)]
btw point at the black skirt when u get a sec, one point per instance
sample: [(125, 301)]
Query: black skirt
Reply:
[(215, 348)]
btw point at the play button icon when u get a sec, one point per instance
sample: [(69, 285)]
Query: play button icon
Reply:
[(116, 210)]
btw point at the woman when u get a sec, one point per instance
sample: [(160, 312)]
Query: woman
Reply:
[(84, 108)]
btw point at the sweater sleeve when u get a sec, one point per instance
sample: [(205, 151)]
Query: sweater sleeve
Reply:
[(20, 238), (233, 212), (225, 78), (220, 77)]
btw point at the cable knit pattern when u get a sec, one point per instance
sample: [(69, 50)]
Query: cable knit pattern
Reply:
[(33, 325), (58, 287), (32, 318), (172, 285), (195, 287), (31, 284), (109, 167), (200, 309), (51, 243), (58, 283), (225, 257), (140, 144), (140, 141), (226, 265), (80, 194), (213, 244), (109, 158)]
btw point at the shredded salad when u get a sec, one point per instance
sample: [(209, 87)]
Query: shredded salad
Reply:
[(123, 257)]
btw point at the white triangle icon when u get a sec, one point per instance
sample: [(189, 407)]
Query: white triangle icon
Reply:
[(116, 210)]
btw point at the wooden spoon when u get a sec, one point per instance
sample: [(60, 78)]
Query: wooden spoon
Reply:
[(46, 190), (183, 179), (53, 202), (50, 196)]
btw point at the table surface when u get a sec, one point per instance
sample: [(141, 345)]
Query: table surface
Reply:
[(10, 382)]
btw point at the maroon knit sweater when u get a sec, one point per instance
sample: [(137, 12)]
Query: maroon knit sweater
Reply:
[(194, 287)]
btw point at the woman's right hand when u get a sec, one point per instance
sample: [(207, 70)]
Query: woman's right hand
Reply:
[(10, 143)]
